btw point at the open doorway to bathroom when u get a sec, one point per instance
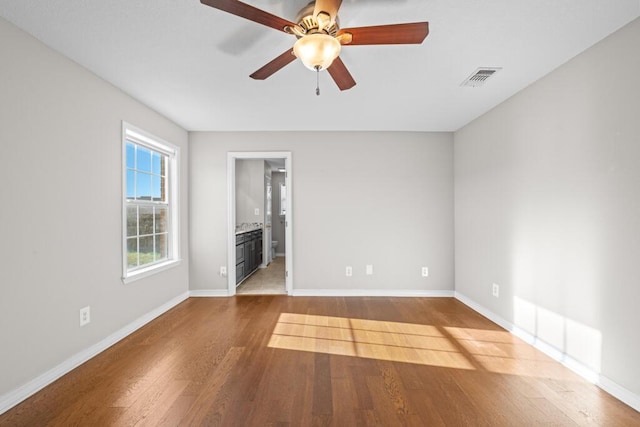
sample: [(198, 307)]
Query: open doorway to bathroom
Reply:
[(259, 223)]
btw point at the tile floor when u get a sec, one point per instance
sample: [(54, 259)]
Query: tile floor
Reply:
[(265, 281)]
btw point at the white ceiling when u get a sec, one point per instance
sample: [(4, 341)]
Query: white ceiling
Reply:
[(192, 63)]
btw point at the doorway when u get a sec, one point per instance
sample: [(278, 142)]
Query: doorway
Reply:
[(273, 212)]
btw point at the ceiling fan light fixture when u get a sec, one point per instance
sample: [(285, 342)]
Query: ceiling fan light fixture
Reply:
[(317, 51)]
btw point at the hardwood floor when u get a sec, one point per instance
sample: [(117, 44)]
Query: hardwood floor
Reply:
[(283, 361)]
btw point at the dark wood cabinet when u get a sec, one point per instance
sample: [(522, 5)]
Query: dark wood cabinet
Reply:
[(240, 257), (250, 251), (259, 249), (248, 254)]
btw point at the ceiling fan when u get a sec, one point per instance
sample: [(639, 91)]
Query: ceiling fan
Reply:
[(320, 37)]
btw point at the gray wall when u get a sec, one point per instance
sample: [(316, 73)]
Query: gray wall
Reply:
[(277, 221), (249, 191), (358, 198), (60, 250), (548, 207)]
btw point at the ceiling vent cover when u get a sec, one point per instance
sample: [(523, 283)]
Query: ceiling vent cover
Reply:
[(479, 77)]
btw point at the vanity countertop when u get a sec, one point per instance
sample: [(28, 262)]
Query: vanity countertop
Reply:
[(248, 228)]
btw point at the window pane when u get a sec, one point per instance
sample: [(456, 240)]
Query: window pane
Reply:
[(156, 188), (146, 220), (146, 250), (161, 247), (157, 160), (131, 155), (131, 184), (132, 252), (143, 186), (143, 159), (147, 225), (132, 221), (161, 219)]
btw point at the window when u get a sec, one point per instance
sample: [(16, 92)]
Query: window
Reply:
[(149, 205)]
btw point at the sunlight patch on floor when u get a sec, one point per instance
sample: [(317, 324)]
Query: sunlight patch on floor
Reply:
[(495, 351), (392, 341)]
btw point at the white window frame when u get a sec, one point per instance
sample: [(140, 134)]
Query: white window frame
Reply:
[(145, 139)]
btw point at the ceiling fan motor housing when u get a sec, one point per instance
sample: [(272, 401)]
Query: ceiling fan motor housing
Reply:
[(310, 24)]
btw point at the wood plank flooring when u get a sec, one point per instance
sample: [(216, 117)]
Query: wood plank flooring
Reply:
[(283, 361)]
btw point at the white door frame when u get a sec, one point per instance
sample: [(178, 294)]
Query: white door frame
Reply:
[(267, 233), (231, 214)]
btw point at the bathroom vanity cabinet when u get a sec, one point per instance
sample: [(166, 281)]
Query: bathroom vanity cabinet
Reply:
[(248, 253)]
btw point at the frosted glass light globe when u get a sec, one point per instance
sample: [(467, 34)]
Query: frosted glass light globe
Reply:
[(317, 50)]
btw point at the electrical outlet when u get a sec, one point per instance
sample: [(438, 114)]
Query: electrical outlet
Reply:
[(496, 290), (85, 315), (256, 211), (223, 271), (349, 271), (369, 270), (425, 271)]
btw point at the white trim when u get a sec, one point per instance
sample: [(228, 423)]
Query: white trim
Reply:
[(209, 293), (231, 213), (14, 397), (487, 313), (280, 254), (153, 142), (288, 222), (231, 224), (148, 140), (371, 293), (151, 270), (616, 390), (619, 392), (551, 351)]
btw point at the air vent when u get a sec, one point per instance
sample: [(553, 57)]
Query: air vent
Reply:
[(479, 77)]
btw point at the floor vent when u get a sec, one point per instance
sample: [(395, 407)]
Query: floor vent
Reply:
[(479, 77)]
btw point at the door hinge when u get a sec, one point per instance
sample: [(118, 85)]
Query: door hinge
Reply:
[(286, 274)]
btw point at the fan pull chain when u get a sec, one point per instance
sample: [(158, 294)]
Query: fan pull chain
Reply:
[(317, 80)]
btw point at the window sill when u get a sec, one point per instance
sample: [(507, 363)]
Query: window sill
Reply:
[(151, 270)]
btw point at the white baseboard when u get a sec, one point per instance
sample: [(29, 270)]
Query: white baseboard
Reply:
[(619, 392), (369, 293), (485, 312), (12, 398), (209, 293), (611, 387), (280, 254)]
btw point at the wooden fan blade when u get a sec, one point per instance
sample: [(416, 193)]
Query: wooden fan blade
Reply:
[(251, 13), (274, 66), (341, 75), (413, 33), (330, 7)]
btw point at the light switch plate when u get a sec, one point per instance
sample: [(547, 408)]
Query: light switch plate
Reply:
[(369, 269)]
